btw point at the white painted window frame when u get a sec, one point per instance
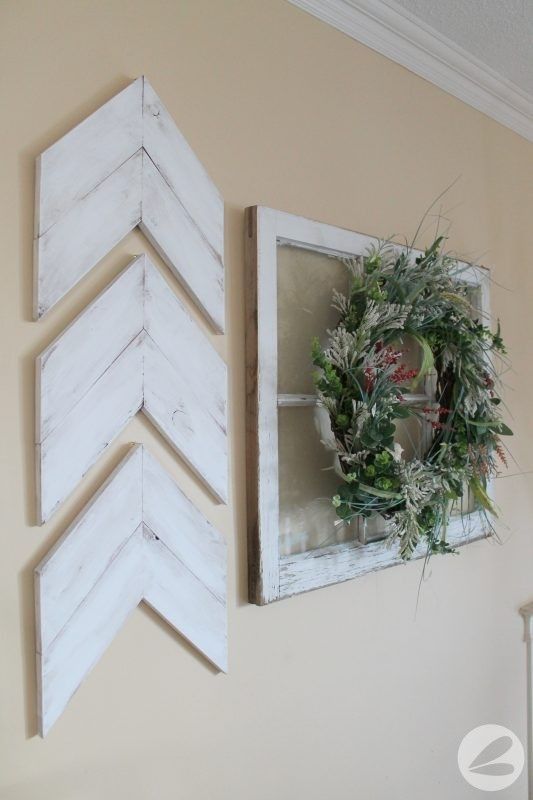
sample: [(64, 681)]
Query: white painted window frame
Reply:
[(271, 575)]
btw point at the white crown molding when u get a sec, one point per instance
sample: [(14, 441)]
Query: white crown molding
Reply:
[(395, 33)]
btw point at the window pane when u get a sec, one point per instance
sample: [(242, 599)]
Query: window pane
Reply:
[(305, 284), (465, 505), (411, 354), (306, 480), (307, 483), (414, 435), (474, 295)]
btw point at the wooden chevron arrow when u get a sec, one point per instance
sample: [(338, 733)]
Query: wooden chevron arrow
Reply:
[(135, 347), (138, 539), (126, 165)]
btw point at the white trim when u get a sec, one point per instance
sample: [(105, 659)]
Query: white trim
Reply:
[(395, 33), (527, 613)]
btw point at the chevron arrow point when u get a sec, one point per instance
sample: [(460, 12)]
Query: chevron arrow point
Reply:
[(127, 164), (138, 539), (135, 347)]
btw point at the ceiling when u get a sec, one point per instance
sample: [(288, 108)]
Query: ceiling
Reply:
[(497, 32)]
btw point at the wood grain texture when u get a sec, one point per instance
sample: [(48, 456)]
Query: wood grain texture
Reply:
[(272, 577), (261, 413), (180, 243), (87, 232), (135, 347), (68, 368), (138, 539), (71, 449), (181, 169), (186, 418), (328, 565), (75, 165), (126, 165)]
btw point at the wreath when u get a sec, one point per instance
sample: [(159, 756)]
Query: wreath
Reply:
[(393, 298)]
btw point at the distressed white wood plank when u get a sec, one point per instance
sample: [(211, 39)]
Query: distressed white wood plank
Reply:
[(186, 603), (109, 560), (91, 629), (87, 232), (179, 242), (75, 360), (102, 179), (309, 400), (317, 236), (82, 404), (328, 565), (182, 170), (184, 419), (67, 454), (297, 400), (86, 155), (183, 343), (83, 553), (195, 540), (262, 412)]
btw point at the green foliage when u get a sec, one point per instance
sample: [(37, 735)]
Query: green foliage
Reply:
[(394, 298), (428, 362)]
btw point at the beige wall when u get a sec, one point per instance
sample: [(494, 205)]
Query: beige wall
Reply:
[(349, 692)]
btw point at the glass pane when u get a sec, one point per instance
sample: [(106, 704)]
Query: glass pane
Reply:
[(305, 284), (307, 483), (306, 478), (474, 295), (411, 354), (414, 436), (465, 505)]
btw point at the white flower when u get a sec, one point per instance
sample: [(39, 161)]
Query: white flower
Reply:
[(397, 452)]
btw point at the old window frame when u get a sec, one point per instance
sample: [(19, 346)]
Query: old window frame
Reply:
[(272, 576)]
